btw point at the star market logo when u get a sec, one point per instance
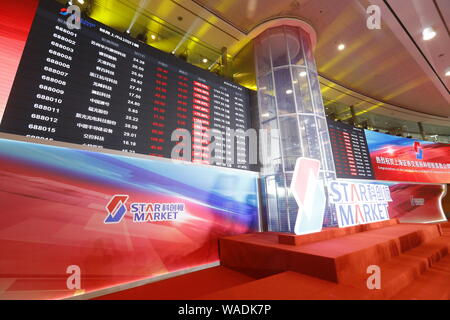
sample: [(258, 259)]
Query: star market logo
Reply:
[(309, 193), (142, 211), (418, 149), (116, 209)]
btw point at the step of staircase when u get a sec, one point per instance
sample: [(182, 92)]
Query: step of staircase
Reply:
[(335, 260), (432, 285), (438, 248), (399, 272)]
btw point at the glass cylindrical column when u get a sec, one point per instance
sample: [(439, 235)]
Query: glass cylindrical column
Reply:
[(289, 101)]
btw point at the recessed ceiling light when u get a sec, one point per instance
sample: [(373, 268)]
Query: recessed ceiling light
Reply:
[(341, 47), (428, 33), (289, 91), (80, 1), (204, 60), (302, 74), (447, 73), (153, 37)]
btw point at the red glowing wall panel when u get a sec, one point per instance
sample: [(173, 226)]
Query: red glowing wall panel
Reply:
[(15, 23)]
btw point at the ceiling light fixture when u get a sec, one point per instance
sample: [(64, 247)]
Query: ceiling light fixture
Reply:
[(341, 47), (428, 33), (289, 91), (80, 1), (447, 73), (153, 37), (302, 74), (204, 60)]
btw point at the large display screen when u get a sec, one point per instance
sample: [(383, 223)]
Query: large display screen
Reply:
[(350, 151), (402, 159), (99, 87), (366, 154), (135, 218)]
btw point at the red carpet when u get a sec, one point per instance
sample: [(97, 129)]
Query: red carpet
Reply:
[(413, 259), (289, 286), (186, 287)]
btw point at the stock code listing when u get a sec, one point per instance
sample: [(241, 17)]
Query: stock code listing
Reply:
[(99, 87)]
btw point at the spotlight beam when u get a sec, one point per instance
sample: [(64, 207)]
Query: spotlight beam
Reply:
[(186, 35), (139, 9)]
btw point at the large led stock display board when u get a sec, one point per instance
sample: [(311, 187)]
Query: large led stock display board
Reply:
[(350, 151), (99, 87)]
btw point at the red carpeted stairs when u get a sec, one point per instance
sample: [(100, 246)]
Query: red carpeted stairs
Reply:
[(413, 259)]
